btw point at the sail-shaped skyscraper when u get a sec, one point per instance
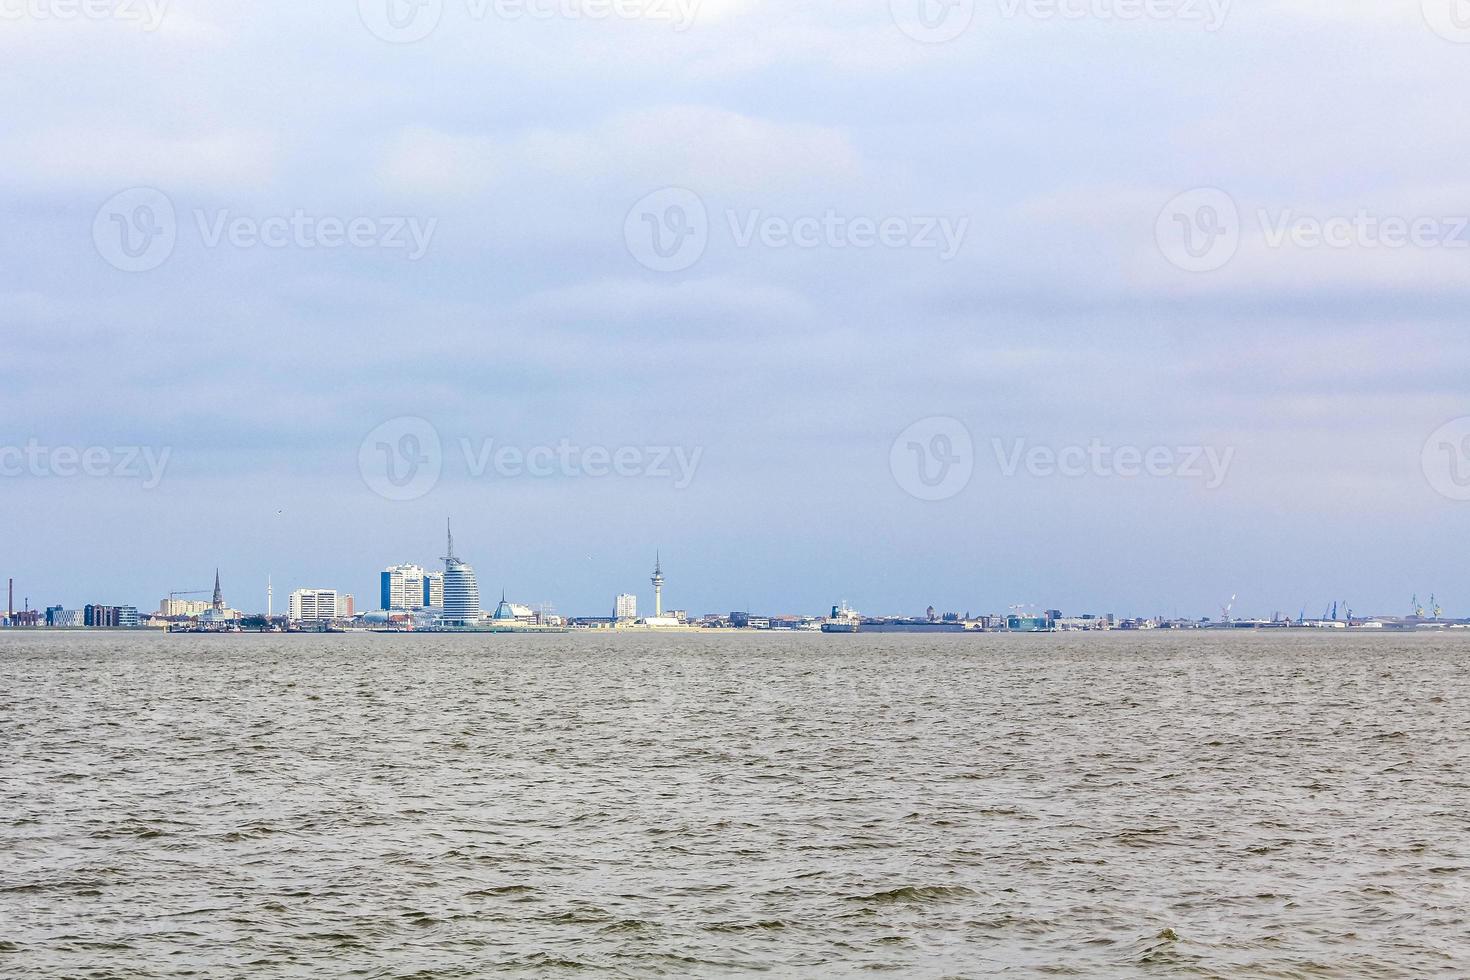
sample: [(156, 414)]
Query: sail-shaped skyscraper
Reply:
[(461, 591)]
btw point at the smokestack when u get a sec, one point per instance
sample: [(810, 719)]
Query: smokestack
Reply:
[(10, 604)]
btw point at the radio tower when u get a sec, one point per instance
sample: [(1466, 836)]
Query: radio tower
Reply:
[(658, 587)]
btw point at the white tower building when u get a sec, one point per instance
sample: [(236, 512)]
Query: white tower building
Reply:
[(658, 587), (461, 591)]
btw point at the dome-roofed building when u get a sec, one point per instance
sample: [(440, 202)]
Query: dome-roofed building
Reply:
[(510, 612)]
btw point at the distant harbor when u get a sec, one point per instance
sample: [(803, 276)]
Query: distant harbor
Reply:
[(415, 600)]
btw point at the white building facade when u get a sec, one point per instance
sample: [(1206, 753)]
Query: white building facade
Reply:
[(315, 605)]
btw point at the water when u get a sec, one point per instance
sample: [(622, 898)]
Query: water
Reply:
[(1108, 805)]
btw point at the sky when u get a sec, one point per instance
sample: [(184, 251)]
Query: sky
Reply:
[(1096, 305)]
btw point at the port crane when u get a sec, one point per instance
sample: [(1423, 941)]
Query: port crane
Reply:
[(1225, 610)]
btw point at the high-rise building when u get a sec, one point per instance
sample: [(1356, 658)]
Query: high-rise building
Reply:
[(402, 587), (315, 605), (461, 591), (434, 589), (625, 607)]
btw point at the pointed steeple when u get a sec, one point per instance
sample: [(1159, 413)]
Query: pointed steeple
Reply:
[(219, 598)]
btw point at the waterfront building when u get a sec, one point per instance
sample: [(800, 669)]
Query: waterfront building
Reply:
[(316, 605), (65, 618), (110, 617), (99, 616), (461, 590), (433, 590), (182, 608), (402, 587), (625, 607), (510, 612)]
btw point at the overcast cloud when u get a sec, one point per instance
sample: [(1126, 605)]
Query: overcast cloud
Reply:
[(778, 235)]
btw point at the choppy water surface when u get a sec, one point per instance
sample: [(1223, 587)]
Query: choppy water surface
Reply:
[(1173, 804)]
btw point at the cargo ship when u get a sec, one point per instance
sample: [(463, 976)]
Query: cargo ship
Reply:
[(842, 620)]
